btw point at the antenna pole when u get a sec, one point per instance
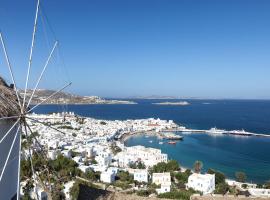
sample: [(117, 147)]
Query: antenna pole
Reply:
[(10, 68), (53, 94), (31, 54), (41, 75)]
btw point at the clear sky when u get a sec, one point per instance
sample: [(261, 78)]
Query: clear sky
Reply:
[(123, 48)]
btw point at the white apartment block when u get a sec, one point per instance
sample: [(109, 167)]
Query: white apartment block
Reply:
[(141, 175), (164, 180), (149, 156), (204, 183)]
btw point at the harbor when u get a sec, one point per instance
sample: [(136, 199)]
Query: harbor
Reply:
[(215, 131)]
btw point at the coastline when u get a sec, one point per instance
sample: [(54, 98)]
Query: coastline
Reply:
[(229, 181)]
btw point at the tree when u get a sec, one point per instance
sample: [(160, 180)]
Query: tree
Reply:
[(172, 165), (137, 165), (198, 166), (159, 168), (182, 177), (124, 176), (91, 176), (219, 177), (240, 176), (141, 165)]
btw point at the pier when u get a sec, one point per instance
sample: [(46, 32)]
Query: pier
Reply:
[(223, 132)]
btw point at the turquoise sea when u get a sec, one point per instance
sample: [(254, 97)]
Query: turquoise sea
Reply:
[(225, 153)]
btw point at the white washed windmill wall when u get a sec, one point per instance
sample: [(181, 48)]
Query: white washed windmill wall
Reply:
[(8, 176), (8, 185)]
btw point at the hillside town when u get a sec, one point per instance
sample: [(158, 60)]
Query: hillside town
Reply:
[(97, 150)]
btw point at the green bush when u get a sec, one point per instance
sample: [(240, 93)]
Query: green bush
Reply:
[(124, 176), (183, 195), (122, 184), (144, 193), (222, 188)]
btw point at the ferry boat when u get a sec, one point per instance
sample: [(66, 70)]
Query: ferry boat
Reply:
[(241, 133), (216, 131)]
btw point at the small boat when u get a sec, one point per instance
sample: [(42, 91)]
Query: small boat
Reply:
[(160, 143), (151, 141), (171, 142)]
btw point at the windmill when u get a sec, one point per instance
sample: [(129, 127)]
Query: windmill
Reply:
[(14, 116)]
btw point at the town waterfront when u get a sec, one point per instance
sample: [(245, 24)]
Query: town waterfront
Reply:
[(225, 153)]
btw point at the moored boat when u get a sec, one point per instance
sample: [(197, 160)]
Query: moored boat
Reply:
[(171, 142)]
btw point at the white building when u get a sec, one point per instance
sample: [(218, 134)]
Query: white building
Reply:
[(104, 159), (141, 175), (149, 156), (39, 194), (204, 183), (164, 180), (52, 154), (264, 193), (66, 153), (107, 177), (77, 159)]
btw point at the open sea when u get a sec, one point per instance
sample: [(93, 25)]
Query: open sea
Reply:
[(227, 154)]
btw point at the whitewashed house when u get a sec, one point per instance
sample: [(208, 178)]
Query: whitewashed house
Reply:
[(66, 153), (164, 180), (113, 170), (141, 175), (52, 154), (149, 156), (77, 159), (257, 192), (107, 177), (204, 183), (38, 193), (104, 159)]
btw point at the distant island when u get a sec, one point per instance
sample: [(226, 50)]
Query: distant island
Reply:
[(179, 103), (67, 98)]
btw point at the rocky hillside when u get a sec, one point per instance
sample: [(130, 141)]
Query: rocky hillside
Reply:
[(67, 98)]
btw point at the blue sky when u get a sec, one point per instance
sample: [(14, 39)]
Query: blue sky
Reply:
[(123, 48)]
